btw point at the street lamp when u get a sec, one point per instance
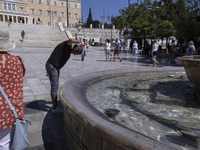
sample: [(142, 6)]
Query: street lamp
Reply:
[(110, 19), (152, 9), (67, 12), (49, 12)]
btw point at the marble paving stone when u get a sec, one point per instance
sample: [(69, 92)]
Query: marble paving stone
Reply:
[(34, 117), (37, 126), (40, 137), (28, 98), (36, 86)]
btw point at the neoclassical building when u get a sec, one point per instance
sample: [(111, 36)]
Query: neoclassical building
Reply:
[(47, 11)]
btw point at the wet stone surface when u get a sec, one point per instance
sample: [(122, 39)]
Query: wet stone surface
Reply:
[(163, 106)]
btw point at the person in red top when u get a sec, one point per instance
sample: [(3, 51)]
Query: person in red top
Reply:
[(11, 79)]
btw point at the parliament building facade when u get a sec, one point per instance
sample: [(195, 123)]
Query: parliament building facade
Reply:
[(41, 12)]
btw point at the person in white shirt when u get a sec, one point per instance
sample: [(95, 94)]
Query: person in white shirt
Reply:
[(83, 54), (108, 49), (135, 47), (154, 53)]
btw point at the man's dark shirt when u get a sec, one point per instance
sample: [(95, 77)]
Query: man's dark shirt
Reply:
[(60, 55)]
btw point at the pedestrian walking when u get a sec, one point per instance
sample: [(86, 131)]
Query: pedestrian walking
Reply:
[(33, 20), (9, 23), (84, 45), (154, 53), (56, 61), (147, 49), (172, 51), (22, 35), (108, 49), (36, 20), (12, 71), (135, 48), (117, 49)]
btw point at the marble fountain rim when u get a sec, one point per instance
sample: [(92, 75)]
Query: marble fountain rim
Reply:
[(73, 97)]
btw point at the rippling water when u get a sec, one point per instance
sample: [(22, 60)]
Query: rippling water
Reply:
[(158, 105)]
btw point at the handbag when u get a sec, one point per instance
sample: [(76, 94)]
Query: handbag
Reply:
[(20, 139)]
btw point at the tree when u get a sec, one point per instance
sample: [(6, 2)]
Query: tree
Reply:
[(95, 23), (89, 19)]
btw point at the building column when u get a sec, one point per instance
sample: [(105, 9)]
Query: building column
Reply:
[(28, 20), (17, 19), (24, 20), (3, 18)]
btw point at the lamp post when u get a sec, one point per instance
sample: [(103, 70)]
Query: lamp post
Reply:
[(49, 12), (110, 19), (152, 9), (67, 13)]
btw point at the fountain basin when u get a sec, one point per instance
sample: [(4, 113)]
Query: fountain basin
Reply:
[(87, 128), (192, 68)]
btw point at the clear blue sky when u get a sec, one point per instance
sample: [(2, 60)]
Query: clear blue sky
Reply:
[(112, 7)]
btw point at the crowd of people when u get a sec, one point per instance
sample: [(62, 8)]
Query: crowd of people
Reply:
[(183, 49)]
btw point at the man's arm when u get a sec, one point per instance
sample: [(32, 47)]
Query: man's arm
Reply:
[(71, 41)]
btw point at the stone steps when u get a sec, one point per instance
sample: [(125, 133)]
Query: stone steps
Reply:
[(35, 35)]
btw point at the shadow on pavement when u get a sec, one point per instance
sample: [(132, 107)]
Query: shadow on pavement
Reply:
[(52, 132)]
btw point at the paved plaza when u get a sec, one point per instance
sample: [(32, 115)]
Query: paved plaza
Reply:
[(46, 131)]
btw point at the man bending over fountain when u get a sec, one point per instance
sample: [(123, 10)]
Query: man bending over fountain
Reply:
[(56, 61)]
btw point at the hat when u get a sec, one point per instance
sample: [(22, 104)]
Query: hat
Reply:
[(5, 44), (191, 43)]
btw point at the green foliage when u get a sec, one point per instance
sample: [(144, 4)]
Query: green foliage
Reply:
[(89, 19), (160, 19)]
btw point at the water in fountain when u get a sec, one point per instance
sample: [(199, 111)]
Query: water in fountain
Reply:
[(163, 106)]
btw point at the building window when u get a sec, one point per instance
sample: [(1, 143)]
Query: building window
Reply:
[(76, 16), (56, 24), (54, 3), (40, 22), (55, 13), (69, 15), (69, 6), (32, 11), (40, 1), (13, 7), (47, 2), (40, 12), (62, 14), (21, 9), (48, 13), (4, 6), (9, 6), (49, 24), (62, 4), (75, 5), (70, 25), (31, 1)]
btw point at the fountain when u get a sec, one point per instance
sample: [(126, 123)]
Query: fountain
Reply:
[(192, 68), (152, 114)]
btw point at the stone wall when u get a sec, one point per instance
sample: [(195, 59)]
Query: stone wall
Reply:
[(96, 33)]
